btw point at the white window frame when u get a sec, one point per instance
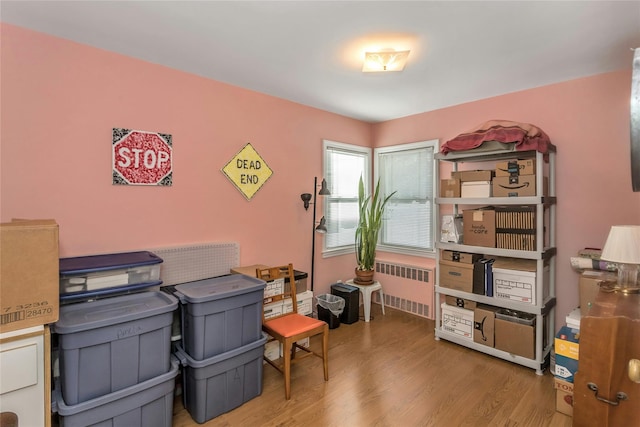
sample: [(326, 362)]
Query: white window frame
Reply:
[(406, 250), (350, 148)]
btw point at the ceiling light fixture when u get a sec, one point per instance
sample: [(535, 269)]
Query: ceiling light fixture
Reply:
[(385, 60)]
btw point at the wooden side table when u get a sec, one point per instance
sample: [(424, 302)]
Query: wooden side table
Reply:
[(366, 291)]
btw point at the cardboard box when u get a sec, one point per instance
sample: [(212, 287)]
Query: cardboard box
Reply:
[(514, 186), (29, 274), (515, 338), (457, 321), (516, 167), (475, 189), (479, 227), (250, 270), (456, 275), (450, 187), (564, 396), (463, 257), (589, 287), (484, 317), (460, 302), (476, 175), (567, 342), (566, 368), (515, 279)]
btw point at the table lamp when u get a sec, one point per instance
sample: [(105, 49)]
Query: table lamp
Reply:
[(623, 248)]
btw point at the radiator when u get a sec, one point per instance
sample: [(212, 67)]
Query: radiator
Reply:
[(407, 272), (182, 264)]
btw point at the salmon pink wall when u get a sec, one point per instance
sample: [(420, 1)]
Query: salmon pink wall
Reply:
[(588, 120), (60, 101)]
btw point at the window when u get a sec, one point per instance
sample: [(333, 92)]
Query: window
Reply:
[(408, 223), (343, 166)]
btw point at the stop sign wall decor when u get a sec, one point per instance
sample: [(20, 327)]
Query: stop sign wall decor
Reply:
[(141, 158)]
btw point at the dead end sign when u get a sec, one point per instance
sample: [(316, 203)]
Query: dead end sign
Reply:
[(141, 158), (247, 171)]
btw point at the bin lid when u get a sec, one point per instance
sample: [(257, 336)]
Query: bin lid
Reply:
[(186, 360), (343, 287), (109, 311), (105, 262), (217, 288)]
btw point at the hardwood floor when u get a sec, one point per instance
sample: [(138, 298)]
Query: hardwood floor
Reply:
[(392, 372)]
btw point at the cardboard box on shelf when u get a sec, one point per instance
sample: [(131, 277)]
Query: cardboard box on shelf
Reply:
[(516, 167), (515, 338), (475, 189), (460, 302), (484, 317), (456, 275), (514, 186), (463, 257), (564, 396), (458, 321), (475, 175), (479, 227), (589, 287), (450, 187), (516, 280), (29, 274)]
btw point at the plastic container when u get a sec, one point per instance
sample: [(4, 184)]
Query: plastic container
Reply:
[(330, 308), (113, 343), (220, 314), (148, 404), (351, 295), (221, 383), (516, 316), (96, 275)]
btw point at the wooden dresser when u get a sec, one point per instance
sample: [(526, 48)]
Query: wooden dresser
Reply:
[(609, 340)]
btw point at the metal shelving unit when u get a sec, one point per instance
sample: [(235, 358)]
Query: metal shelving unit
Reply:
[(545, 254)]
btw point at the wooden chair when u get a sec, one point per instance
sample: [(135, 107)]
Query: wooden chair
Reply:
[(291, 327)]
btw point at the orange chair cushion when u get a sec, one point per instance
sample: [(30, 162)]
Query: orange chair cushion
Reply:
[(292, 324)]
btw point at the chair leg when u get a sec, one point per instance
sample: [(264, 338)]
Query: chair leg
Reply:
[(325, 352), (287, 368)]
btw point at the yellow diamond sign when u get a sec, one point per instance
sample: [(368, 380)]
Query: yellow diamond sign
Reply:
[(247, 171)]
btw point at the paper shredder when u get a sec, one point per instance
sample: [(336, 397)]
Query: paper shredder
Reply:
[(351, 296)]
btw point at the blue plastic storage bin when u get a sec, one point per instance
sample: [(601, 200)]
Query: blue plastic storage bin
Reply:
[(220, 314), (99, 275), (221, 383), (148, 404), (113, 343)]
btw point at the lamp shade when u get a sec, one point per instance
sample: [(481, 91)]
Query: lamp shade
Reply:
[(623, 245)]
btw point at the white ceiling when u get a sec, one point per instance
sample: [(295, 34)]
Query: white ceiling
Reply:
[(310, 51)]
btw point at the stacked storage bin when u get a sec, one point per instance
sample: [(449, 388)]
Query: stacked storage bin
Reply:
[(114, 353), (222, 343)]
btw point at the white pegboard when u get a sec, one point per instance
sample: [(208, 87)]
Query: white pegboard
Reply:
[(182, 264)]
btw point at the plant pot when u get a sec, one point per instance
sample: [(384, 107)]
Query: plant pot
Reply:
[(363, 277)]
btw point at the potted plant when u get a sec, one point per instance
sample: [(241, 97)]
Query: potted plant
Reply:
[(371, 209)]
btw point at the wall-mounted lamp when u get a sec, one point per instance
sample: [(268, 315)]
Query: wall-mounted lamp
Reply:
[(385, 60), (322, 226), (306, 198), (623, 248)]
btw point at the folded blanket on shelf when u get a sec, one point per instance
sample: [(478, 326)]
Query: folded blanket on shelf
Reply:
[(525, 136)]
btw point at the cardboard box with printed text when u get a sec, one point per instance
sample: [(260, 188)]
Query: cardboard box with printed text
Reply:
[(29, 274)]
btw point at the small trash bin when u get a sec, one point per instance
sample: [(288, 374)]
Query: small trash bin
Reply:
[(330, 308), (351, 296)]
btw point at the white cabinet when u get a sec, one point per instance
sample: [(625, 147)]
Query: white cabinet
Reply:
[(25, 387), (543, 203)]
